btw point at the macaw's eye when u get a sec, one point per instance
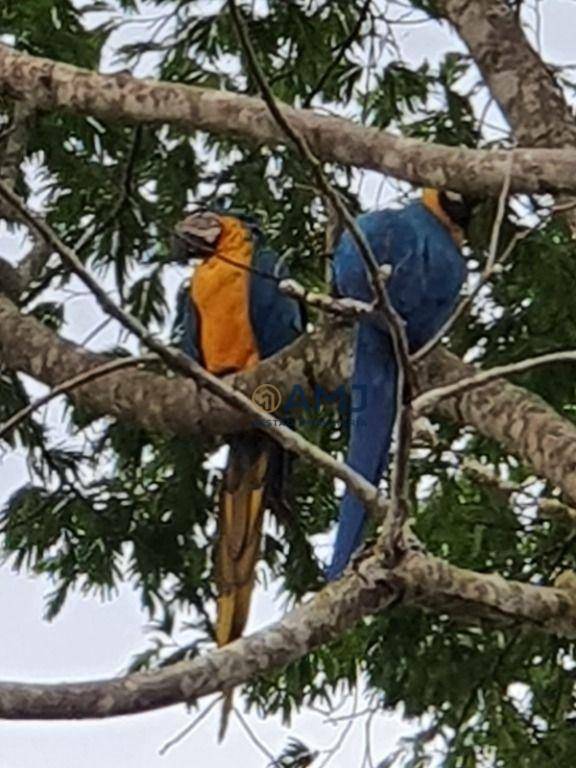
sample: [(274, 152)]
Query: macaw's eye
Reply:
[(196, 236)]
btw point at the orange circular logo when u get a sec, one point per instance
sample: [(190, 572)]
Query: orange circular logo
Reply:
[(268, 397)]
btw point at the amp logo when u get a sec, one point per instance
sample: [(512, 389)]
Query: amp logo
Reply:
[(298, 402)]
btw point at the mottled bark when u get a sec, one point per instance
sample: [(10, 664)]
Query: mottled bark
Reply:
[(522, 422), (10, 282), (14, 149), (519, 420), (519, 80), (13, 280), (51, 85), (418, 580), (156, 402)]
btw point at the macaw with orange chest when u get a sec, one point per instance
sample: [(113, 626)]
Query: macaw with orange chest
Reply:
[(421, 244), (233, 315)]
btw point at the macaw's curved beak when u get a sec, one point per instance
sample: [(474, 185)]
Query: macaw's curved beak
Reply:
[(196, 237)]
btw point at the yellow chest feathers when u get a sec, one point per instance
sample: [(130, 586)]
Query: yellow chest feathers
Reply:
[(220, 290)]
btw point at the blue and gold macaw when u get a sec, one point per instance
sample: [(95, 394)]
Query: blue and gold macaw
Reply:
[(233, 315), (421, 243)]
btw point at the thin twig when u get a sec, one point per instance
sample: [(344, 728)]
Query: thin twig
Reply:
[(500, 213), (6, 132), (95, 331), (343, 307), (367, 762), (345, 718), (432, 397), (331, 751), (178, 361), (189, 728), (253, 738), (339, 54), (124, 196), (394, 321), (67, 386)]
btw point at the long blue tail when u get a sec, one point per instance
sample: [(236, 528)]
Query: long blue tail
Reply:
[(373, 414)]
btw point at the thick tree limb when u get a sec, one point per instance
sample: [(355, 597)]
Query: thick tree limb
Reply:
[(52, 85), (519, 80), (112, 366), (517, 419), (155, 402), (521, 421), (418, 580), (522, 84)]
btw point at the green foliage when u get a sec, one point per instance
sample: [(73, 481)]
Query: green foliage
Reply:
[(52, 28), (140, 507)]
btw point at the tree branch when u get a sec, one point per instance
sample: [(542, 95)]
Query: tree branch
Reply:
[(343, 307), (347, 43), (418, 580), (14, 279), (51, 85), (519, 80), (155, 402), (113, 366), (432, 397), (521, 421)]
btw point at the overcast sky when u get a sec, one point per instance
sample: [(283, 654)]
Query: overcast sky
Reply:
[(90, 639)]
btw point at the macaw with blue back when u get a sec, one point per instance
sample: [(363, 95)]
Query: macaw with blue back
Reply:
[(421, 243), (232, 315)]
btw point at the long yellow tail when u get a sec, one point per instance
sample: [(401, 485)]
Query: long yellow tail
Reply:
[(240, 527)]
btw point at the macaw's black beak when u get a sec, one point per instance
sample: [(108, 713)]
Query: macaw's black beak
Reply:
[(196, 237), (185, 247)]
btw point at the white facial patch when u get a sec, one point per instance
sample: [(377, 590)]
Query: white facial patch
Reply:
[(454, 197), (203, 226)]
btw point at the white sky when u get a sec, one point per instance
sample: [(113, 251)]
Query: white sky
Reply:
[(90, 639)]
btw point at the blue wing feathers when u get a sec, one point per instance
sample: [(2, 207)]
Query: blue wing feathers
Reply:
[(427, 274), (276, 319), (428, 269), (375, 372), (186, 324)]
